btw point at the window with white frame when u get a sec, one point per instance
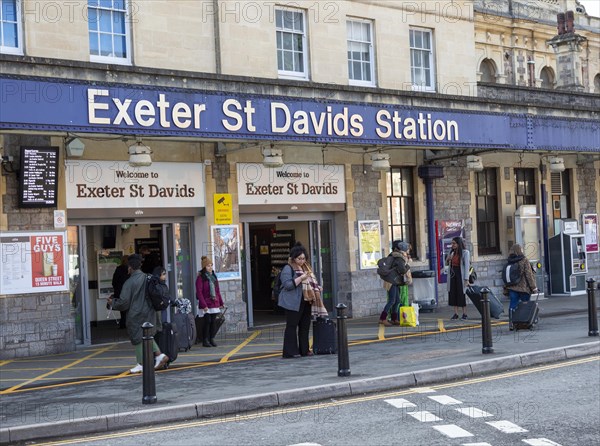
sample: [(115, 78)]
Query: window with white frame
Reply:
[(291, 43), (10, 27), (360, 52), (421, 59), (108, 31)]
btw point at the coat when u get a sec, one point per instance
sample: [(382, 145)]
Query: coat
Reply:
[(465, 265), (290, 296), (526, 283), (139, 310), (203, 292)]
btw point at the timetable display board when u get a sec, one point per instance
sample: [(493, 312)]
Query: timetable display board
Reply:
[(38, 177)]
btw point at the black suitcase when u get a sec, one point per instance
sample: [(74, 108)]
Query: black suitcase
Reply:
[(186, 330), (473, 292), (525, 316), (324, 337), (199, 321), (167, 341)]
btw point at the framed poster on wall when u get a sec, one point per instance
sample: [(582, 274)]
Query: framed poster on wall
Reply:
[(225, 247), (369, 243), (589, 223)]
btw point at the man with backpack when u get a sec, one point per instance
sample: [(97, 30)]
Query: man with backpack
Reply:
[(394, 270), (139, 310)]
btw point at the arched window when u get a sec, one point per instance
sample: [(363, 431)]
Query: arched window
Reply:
[(597, 84), (488, 71), (547, 76)]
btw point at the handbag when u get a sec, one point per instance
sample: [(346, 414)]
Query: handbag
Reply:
[(408, 318), (472, 275)]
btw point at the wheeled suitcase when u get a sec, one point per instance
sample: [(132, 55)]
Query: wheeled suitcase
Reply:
[(167, 341), (324, 337), (473, 292), (199, 322), (186, 330), (525, 316), (219, 321)]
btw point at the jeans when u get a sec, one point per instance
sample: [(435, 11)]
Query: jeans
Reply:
[(392, 303), (515, 298)]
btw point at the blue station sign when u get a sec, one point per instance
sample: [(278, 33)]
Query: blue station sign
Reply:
[(52, 104)]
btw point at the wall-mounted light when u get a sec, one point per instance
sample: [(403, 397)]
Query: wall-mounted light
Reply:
[(474, 163), (556, 164), (139, 155), (272, 157), (380, 162), (74, 148)]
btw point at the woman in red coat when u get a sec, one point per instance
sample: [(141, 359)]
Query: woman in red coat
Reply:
[(209, 300)]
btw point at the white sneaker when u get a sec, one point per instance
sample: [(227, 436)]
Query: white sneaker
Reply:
[(160, 361), (137, 369)]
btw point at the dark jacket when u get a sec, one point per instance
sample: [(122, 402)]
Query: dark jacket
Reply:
[(526, 283), (133, 300), (290, 295), (203, 292), (120, 275)]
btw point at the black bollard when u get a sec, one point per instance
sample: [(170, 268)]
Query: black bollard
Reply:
[(342, 338), (148, 384), (592, 314), (486, 324)]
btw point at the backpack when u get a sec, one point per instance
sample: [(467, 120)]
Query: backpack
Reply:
[(277, 285), (392, 271), (154, 294), (511, 274)]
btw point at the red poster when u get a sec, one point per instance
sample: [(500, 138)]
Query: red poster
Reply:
[(47, 260)]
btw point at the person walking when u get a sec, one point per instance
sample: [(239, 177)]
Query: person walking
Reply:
[(210, 301), (525, 287), (297, 309), (119, 277), (139, 310), (459, 263), (400, 264)]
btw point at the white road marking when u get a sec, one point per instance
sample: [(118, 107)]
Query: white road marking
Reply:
[(473, 412), (476, 444), (444, 399), (540, 442), (400, 403), (424, 417), (506, 426), (305, 444), (423, 390), (452, 431)]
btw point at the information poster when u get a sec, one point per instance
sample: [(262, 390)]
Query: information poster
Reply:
[(107, 264), (369, 243), (590, 230), (33, 262), (226, 251)]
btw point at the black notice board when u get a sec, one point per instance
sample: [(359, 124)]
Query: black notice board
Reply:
[(38, 177)]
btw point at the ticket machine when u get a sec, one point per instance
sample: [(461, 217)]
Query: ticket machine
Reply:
[(528, 235), (568, 263)]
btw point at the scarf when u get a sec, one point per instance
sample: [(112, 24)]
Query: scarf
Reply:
[(311, 292), (211, 285)]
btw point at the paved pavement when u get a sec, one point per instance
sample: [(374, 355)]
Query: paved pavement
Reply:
[(91, 390)]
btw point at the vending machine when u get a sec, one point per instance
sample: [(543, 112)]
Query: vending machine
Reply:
[(528, 235), (568, 263)]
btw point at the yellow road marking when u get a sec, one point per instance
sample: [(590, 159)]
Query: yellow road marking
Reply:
[(381, 333), (441, 327), (241, 346), (60, 369), (286, 411)]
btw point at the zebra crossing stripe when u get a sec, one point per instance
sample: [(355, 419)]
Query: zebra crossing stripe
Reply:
[(444, 399), (452, 431), (473, 412), (540, 442), (400, 403), (476, 444), (506, 426), (424, 416)]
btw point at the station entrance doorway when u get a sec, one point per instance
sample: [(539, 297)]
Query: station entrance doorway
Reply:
[(95, 251), (268, 240)]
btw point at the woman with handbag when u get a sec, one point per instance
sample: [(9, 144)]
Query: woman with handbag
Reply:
[(459, 264), (297, 309)]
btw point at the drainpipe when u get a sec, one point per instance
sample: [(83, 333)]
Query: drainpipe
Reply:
[(544, 211), (217, 31)]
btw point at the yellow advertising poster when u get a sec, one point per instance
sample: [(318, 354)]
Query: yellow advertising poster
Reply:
[(223, 209), (369, 243)]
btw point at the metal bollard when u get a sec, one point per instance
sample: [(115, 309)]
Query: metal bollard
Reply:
[(486, 324), (342, 338), (592, 314), (148, 384)]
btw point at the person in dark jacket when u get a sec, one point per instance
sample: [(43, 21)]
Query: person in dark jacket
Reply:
[(522, 290), (458, 262), (159, 275), (120, 275), (209, 300), (133, 300), (400, 254), (297, 310)]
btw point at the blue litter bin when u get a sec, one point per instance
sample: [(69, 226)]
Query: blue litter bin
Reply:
[(423, 290)]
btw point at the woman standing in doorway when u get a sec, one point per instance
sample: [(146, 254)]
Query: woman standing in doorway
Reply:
[(459, 263), (297, 310), (209, 300)]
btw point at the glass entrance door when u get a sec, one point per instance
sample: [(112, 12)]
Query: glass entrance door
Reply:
[(321, 254)]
